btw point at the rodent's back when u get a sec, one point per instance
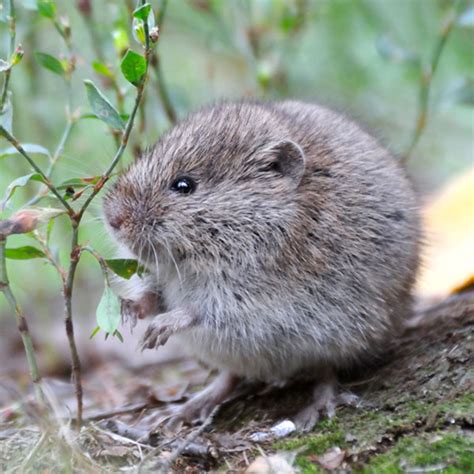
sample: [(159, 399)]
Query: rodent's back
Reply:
[(367, 209)]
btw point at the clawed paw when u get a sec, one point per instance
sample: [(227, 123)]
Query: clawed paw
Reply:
[(155, 336), (326, 400)]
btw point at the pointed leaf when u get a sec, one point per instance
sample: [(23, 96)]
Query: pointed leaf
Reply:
[(94, 332), (122, 267), (120, 40), (142, 12), (118, 335), (108, 311), (46, 8), (102, 108), (28, 147), (101, 68), (133, 67), (78, 182), (19, 182), (50, 62), (24, 253)]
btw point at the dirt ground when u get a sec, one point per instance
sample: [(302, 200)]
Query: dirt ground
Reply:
[(415, 415)]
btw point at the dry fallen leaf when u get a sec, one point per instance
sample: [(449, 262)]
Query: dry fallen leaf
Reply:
[(277, 463), (330, 460)]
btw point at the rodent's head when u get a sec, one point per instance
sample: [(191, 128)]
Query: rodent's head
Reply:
[(220, 186)]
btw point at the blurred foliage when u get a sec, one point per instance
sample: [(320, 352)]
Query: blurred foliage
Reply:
[(363, 57)]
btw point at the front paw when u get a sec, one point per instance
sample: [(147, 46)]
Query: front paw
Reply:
[(156, 335)]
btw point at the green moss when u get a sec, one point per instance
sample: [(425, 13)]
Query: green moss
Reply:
[(454, 451), (369, 426), (329, 434)]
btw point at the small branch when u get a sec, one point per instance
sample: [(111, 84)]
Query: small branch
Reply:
[(163, 90), (22, 324), (12, 32), (67, 294), (426, 81), (30, 160), (54, 159), (165, 466), (126, 134), (163, 93), (76, 249)]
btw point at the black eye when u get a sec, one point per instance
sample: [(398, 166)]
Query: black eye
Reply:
[(183, 185)]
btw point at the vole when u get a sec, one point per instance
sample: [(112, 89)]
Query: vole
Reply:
[(281, 239)]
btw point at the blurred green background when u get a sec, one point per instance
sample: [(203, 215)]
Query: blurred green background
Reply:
[(362, 57)]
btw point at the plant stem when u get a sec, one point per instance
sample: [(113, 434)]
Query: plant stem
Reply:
[(12, 31), (68, 322), (126, 134), (76, 248), (22, 324), (427, 75), (46, 180), (54, 159), (163, 93)]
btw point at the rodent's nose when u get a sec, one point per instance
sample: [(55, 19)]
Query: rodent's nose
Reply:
[(115, 221)]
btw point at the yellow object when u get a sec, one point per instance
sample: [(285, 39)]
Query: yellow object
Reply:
[(448, 257)]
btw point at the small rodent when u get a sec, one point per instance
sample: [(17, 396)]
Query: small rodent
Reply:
[(281, 239)]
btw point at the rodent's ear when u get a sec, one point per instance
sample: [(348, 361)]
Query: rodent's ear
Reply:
[(290, 159)]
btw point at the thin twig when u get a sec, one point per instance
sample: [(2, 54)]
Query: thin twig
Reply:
[(12, 32), (53, 161), (32, 163), (160, 82), (165, 466), (137, 407), (76, 249), (22, 324), (426, 81)]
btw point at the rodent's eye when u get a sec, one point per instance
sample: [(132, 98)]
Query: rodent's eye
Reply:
[(184, 185)]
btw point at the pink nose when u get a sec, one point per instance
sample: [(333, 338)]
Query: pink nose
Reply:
[(115, 221)]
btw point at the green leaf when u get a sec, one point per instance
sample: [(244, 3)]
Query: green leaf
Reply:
[(24, 253), (6, 115), (108, 311), (120, 40), (94, 332), (78, 182), (51, 63), (118, 335), (133, 67), (28, 147), (102, 108), (395, 53), (46, 8), (101, 68), (466, 18), (123, 267), (19, 182), (142, 12)]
